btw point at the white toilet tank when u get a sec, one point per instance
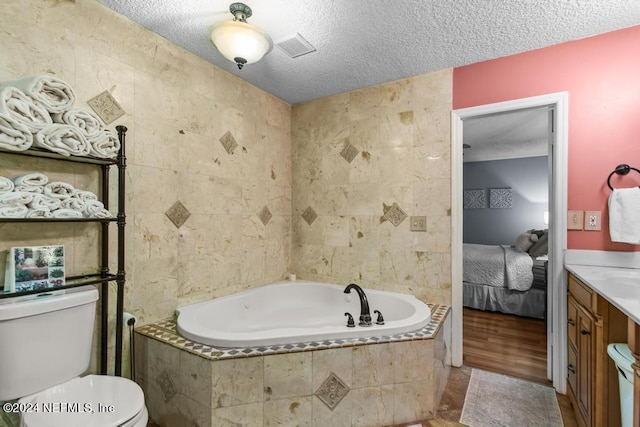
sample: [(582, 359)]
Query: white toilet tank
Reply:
[(45, 340)]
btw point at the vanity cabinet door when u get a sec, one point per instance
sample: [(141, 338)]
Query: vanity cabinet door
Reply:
[(593, 323), (585, 327), (572, 368), (572, 319)]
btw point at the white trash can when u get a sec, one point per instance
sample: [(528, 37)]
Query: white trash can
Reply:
[(621, 355)]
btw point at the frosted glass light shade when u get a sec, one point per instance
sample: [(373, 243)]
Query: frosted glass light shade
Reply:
[(238, 41)]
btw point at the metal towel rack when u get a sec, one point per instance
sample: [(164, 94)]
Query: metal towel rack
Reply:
[(620, 170)]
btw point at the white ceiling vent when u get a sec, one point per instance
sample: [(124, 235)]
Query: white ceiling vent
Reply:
[(295, 45)]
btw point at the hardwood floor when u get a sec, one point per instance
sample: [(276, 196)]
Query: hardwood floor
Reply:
[(511, 345), (496, 342), (506, 344)]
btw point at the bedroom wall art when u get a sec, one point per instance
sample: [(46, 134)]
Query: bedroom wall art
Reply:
[(474, 199), (500, 198)]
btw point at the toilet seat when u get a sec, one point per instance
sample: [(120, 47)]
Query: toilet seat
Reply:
[(91, 401)]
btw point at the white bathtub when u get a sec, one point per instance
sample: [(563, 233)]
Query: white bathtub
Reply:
[(294, 312)]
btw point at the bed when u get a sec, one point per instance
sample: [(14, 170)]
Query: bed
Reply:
[(506, 278)]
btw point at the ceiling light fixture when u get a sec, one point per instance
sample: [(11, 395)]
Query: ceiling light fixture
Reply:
[(239, 41)]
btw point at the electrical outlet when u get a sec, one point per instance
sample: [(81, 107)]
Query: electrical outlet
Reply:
[(418, 223), (592, 220), (575, 220)]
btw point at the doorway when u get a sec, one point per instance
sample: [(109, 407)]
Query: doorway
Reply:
[(556, 296), (504, 329)]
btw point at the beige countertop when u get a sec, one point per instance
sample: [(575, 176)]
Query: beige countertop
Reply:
[(620, 286)]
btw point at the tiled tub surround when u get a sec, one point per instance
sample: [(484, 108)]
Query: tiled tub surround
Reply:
[(368, 381), (362, 162)]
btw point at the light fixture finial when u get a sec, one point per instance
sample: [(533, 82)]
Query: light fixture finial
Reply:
[(240, 12)]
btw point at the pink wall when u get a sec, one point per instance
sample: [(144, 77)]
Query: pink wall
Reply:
[(602, 76)]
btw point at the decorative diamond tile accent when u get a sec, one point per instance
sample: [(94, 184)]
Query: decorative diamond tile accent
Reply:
[(229, 142), (265, 215), (106, 107), (394, 214), (178, 214), (309, 215), (166, 386), (349, 152), (332, 391)]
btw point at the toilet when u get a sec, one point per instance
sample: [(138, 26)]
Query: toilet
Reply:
[(45, 345)]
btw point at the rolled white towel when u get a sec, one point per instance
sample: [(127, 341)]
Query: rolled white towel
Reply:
[(75, 204), (83, 119), (13, 211), (40, 201), (63, 139), (39, 213), (105, 145), (6, 185), (16, 198), (35, 189), (84, 195), (14, 136), (95, 209), (66, 213), (31, 179), (22, 109), (54, 94), (102, 213), (59, 190)]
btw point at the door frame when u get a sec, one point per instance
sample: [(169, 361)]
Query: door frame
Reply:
[(556, 279)]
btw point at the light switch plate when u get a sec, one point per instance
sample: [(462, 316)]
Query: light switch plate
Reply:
[(575, 219), (418, 223), (592, 220)]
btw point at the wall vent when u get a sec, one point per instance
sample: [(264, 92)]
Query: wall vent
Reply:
[(295, 45)]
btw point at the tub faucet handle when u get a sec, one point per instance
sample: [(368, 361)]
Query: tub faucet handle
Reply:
[(380, 320), (350, 322)]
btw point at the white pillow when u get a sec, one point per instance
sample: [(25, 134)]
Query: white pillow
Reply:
[(525, 241)]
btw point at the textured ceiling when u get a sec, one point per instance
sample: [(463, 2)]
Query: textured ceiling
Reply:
[(510, 135), (367, 42)]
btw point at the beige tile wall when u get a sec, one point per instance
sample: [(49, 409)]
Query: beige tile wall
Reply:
[(401, 132), (173, 153)]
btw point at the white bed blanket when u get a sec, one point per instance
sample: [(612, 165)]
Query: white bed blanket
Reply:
[(500, 266)]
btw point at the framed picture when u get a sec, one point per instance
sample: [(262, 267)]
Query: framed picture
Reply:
[(500, 198), (474, 199), (33, 268)]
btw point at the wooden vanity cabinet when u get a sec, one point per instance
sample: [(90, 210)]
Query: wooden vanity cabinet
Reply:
[(592, 323)]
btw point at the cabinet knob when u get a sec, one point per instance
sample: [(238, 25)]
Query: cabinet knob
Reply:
[(571, 369), (585, 332), (571, 322)]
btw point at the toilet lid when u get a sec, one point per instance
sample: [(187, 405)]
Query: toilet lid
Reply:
[(91, 401)]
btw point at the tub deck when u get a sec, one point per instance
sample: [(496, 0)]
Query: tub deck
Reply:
[(165, 331), (373, 382)]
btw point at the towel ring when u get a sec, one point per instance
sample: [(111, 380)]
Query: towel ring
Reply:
[(620, 170)]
